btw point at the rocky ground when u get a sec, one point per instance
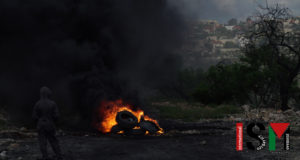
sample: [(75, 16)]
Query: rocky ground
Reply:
[(203, 140), (267, 115), (206, 139)]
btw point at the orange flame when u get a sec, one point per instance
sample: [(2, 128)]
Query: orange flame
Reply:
[(108, 112)]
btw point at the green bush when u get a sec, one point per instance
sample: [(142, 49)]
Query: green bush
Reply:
[(221, 85), (254, 79), (237, 83)]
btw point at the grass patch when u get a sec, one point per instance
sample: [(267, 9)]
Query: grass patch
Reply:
[(191, 113)]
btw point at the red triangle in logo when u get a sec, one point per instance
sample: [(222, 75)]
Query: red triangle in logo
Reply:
[(279, 128)]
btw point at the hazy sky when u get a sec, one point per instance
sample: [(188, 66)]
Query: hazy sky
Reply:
[(223, 10)]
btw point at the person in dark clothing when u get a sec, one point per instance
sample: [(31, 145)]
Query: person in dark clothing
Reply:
[(45, 113)]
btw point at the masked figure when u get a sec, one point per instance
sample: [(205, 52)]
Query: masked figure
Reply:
[(45, 113)]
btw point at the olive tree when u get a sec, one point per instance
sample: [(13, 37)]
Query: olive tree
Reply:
[(270, 30)]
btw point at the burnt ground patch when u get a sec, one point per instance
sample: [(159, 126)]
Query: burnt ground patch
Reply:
[(205, 143)]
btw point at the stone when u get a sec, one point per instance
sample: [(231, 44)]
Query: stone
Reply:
[(3, 155), (238, 119), (30, 134), (203, 142), (13, 146), (246, 108), (253, 116), (272, 115), (276, 117), (6, 141), (265, 118), (265, 114), (231, 118), (190, 132), (279, 118), (23, 129), (289, 112)]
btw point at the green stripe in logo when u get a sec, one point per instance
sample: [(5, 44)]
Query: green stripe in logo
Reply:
[(272, 139)]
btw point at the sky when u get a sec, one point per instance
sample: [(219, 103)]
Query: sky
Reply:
[(223, 10)]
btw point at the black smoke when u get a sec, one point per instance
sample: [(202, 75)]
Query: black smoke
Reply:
[(85, 51)]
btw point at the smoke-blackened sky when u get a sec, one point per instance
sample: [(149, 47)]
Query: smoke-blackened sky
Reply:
[(85, 51), (223, 10), (89, 50)]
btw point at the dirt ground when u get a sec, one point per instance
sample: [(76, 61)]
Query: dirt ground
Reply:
[(184, 143)]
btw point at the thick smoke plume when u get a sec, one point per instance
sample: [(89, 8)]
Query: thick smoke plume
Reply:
[(85, 51)]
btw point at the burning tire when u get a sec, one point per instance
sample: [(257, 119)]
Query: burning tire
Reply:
[(126, 120), (149, 126), (115, 129)]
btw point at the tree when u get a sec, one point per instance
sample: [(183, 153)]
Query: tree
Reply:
[(268, 31), (239, 83), (230, 45), (261, 77)]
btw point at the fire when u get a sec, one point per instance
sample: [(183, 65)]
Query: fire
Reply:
[(108, 112)]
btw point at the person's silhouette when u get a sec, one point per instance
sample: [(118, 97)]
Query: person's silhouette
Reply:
[(45, 113)]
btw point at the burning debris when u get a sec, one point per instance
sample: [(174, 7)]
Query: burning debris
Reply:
[(118, 117)]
